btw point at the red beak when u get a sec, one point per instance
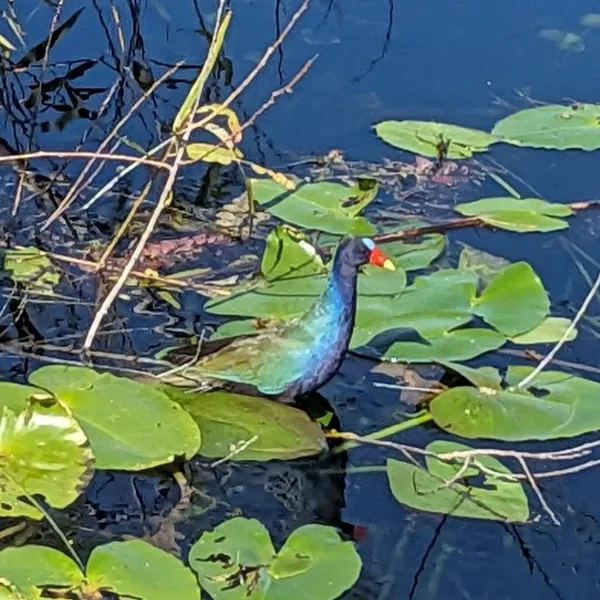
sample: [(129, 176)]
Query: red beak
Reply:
[(379, 259)]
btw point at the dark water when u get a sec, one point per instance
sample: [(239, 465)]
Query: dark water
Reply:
[(464, 62)]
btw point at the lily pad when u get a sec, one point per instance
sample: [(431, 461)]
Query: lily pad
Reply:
[(106, 407), (550, 330), (43, 453), (32, 567), (515, 300), (136, 569), (412, 257), (313, 563), (527, 215), (424, 137), (130, 569), (485, 265), (318, 206), (286, 256), (554, 126), (462, 344), (555, 405), (497, 499), (564, 40), (32, 268), (8, 591), (226, 420)]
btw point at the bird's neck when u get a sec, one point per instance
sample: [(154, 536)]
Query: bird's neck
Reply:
[(340, 295)]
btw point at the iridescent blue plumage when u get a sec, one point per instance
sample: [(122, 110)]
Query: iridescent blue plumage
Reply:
[(303, 354)]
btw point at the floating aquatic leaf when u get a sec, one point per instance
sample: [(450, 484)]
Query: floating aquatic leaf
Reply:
[(486, 266), (487, 377), (32, 567), (554, 126), (213, 154), (313, 563), (591, 20), (463, 344), (317, 206), (42, 453), (424, 137), (527, 215), (286, 256), (555, 405), (497, 499), (128, 569), (582, 393), (8, 591), (32, 268), (106, 406), (412, 257), (515, 300), (135, 569), (227, 420), (550, 330), (565, 40)]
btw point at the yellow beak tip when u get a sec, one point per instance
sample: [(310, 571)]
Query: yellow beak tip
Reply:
[(389, 265)]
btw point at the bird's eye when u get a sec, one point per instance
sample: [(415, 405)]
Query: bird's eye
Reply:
[(369, 243)]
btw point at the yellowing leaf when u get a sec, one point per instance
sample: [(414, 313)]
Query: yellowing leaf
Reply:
[(212, 153)]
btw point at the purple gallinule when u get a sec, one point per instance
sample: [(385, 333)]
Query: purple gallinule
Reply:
[(300, 355)]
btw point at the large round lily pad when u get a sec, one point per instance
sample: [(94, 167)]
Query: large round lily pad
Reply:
[(130, 569), (136, 569), (130, 425), (227, 420), (317, 206), (553, 126), (525, 215), (427, 489), (425, 137), (554, 405), (313, 563), (43, 452)]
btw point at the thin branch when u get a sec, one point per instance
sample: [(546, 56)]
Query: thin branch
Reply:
[(548, 359)]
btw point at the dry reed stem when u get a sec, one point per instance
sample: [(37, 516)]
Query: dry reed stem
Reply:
[(77, 186), (548, 358)]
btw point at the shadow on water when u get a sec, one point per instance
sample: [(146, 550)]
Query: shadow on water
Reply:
[(457, 62)]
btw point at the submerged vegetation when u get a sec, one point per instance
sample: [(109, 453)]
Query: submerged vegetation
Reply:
[(443, 305)]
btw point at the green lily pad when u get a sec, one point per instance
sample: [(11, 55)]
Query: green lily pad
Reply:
[(318, 206), (485, 265), (424, 137), (32, 567), (564, 40), (555, 405), (313, 563), (554, 126), (42, 452), (226, 420), (590, 20), (463, 344), (8, 591), (582, 393), (412, 257), (525, 215), (136, 569), (130, 569), (286, 257), (32, 268), (487, 377), (106, 407), (550, 330), (515, 300), (497, 500)]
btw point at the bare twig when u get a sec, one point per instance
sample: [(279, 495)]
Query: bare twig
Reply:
[(537, 491), (548, 359), (240, 447)]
